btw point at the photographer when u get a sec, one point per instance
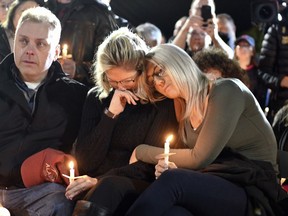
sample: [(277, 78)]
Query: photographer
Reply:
[(200, 29), (273, 65)]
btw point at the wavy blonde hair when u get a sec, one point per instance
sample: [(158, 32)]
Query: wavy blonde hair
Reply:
[(122, 48), (186, 77)]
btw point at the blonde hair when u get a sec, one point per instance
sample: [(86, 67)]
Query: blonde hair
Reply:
[(122, 48), (186, 77), (42, 15)]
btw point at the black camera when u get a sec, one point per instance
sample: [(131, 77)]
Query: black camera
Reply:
[(264, 11)]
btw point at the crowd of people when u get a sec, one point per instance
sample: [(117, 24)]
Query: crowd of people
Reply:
[(79, 84)]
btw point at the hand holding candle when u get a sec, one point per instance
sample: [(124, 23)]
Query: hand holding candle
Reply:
[(167, 149), (72, 172)]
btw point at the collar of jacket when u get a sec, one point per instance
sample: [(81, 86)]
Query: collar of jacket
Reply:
[(7, 80)]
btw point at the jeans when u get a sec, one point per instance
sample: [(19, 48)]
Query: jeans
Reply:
[(201, 194), (41, 200)]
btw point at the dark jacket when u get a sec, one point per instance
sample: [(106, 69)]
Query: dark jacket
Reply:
[(273, 64), (4, 44), (85, 24), (54, 122), (258, 178)]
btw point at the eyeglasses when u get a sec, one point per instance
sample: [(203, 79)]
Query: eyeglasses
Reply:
[(125, 82), (157, 76)]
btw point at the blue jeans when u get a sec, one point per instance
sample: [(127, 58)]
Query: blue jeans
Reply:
[(201, 194), (41, 200)]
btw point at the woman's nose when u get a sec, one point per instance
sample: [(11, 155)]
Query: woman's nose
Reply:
[(159, 82)]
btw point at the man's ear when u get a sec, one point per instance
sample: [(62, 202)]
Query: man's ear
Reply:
[(57, 52)]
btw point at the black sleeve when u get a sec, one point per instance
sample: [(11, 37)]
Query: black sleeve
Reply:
[(95, 134)]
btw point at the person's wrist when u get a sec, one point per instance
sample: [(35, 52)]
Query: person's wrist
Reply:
[(108, 113)]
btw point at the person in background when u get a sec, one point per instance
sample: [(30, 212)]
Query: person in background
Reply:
[(178, 25), (207, 29), (85, 24), (40, 108), (116, 120), (245, 54), (4, 6), (7, 29), (231, 146), (273, 64), (215, 63), (226, 29), (280, 125), (150, 33)]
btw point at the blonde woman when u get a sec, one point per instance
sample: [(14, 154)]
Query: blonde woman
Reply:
[(225, 132)]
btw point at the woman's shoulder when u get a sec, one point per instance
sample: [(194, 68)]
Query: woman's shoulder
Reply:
[(229, 84), (229, 88)]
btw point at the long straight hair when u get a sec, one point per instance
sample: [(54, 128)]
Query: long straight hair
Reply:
[(186, 77)]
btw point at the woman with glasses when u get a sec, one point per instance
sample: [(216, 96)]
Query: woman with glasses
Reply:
[(229, 166), (116, 120)]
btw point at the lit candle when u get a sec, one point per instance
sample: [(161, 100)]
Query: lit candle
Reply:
[(72, 172), (167, 149), (64, 51), (4, 211)]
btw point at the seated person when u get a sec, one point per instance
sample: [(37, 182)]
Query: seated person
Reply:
[(39, 108), (231, 146)]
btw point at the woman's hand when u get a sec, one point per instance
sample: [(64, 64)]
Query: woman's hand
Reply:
[(119, 100), (79, 185), (161, 167)]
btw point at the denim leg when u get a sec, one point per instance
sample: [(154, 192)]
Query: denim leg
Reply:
[(41, 200)]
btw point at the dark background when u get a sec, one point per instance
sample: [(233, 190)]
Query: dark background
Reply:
[(164, 13)]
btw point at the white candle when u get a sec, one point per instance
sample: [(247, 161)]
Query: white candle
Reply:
[(64, 51), (72, 171), (167, 148), (4, 211)]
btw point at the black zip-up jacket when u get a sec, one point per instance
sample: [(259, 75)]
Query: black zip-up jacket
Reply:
[(273, 64), (4, 44), (54, 123)]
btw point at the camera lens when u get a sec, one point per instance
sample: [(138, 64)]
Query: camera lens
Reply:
[(266, 12)]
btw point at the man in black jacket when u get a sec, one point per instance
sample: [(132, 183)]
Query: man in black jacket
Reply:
[(273, 64), (40, 108), (85, 24)]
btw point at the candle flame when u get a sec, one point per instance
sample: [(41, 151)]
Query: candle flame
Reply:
[(65, 46), (169, 138), (71, 164)]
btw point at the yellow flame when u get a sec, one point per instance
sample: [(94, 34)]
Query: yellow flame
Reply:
[(65, 46), (71, 164), (169, 138)]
